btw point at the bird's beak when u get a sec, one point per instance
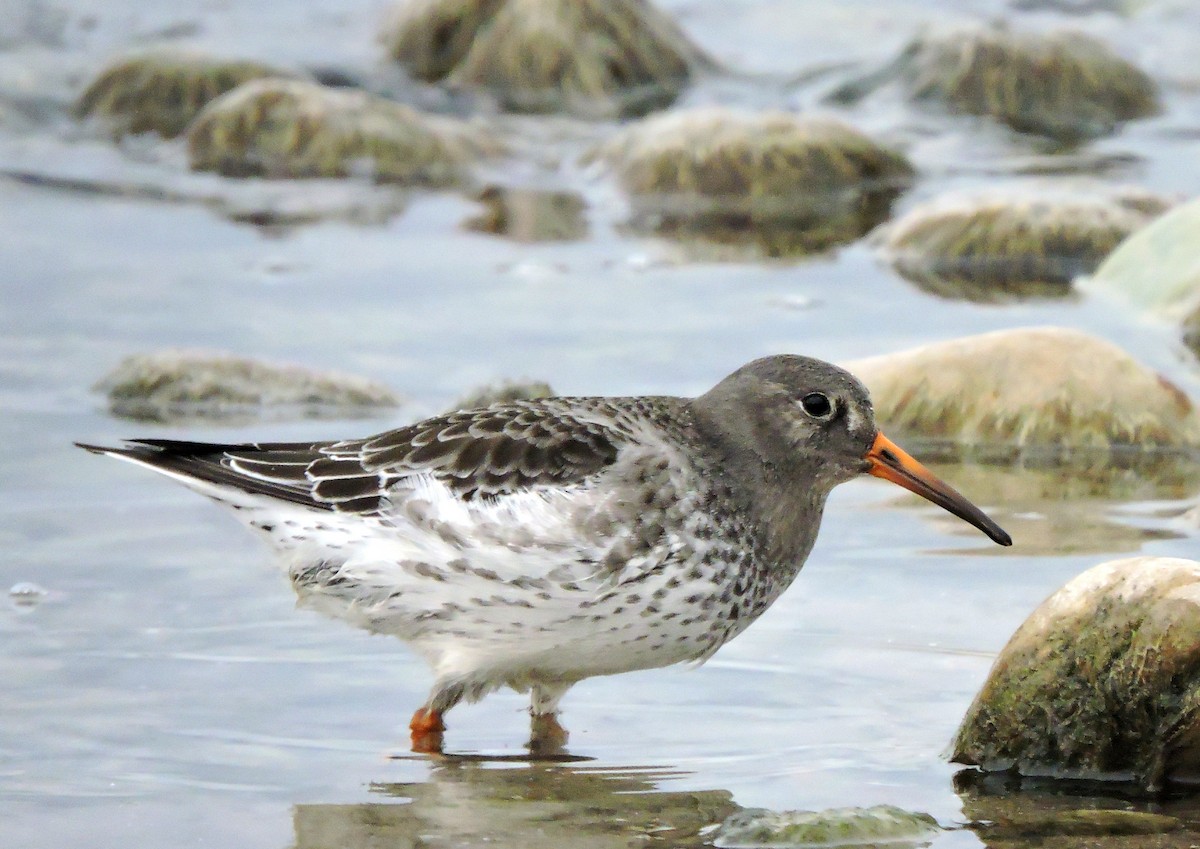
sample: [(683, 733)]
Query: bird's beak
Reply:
[(889, 462)]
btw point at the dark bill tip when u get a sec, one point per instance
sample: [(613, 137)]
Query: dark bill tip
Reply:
[(888, 461)]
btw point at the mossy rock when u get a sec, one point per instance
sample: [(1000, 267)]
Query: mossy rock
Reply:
[(996, 246), (179, 385), (732, 171), (597, 57), (753, 828), (1048, 389), (164, 90), (1062, 84), (503, 391), (1101, 682), (286, 129)]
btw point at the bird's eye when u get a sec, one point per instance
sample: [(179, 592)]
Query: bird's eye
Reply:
[(817, 405)]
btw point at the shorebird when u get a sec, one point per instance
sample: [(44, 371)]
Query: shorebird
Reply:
[(532, 544)]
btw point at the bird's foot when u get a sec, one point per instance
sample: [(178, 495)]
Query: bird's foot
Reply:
[(427, 729), (546, 735)]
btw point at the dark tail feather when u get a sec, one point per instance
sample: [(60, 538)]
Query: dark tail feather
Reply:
[(209, 463)]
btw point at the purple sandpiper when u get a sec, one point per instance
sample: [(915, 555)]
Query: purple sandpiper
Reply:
[(532, 544)]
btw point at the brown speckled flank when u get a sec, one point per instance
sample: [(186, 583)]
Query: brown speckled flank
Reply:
[(532, 544)]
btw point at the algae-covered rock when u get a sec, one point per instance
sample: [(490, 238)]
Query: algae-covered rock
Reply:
[(758, 827), (1102, 681), (1046, 388), (505, 390), (279, 128), (599, 57), (1157, 269), (1062, 84), (733, 171), (162, 91), (530, 215), (180, 385), (1000, 245)]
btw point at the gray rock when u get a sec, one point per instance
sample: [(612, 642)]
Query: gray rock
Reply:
[(1157, 269)]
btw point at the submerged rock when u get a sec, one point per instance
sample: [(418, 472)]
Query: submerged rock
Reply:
[(601, 57), (1102, 681), (758, 827), (283, 129), (706, 240), (505, 390), (1048, 388), (181, 385), (1063, 84), (732, 172), (996, 245), (1007, 811), (162, 91), (530, 215)]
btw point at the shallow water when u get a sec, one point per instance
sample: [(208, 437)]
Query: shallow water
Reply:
[(165, 691)]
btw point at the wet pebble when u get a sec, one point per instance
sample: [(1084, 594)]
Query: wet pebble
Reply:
[(594, 57), (163, 91), (1101, 682), (728, 175), (758, 827), (997, 245), (26, 594), (1051, 389), (530, 215), (182, 385), (284, 129)]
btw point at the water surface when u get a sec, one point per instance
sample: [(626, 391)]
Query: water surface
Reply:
[(166, 692)]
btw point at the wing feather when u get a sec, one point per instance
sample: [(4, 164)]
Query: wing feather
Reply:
[(478, 454)]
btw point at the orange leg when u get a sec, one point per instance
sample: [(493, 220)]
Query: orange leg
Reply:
[(547, 736), (427, 728)]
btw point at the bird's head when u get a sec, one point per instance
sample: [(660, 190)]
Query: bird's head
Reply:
[(811, 421)]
